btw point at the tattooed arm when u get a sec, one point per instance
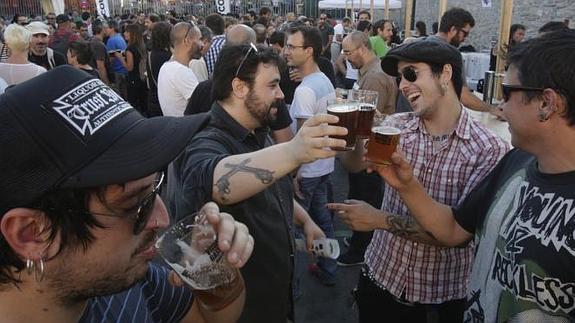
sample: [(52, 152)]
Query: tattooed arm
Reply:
[(239, 177), (361, 216)]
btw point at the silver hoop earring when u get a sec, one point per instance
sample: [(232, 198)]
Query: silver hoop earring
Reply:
[(29, 266), (39, 270)]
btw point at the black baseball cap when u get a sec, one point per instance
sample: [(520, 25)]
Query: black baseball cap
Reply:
[(65, 129), (431, 51)]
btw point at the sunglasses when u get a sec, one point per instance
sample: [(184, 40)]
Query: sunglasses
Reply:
[(145, 207), (408, 73), (252, 48), (506, 90)]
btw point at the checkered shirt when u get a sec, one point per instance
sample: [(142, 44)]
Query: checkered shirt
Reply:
[(448, 169), (213, 53)]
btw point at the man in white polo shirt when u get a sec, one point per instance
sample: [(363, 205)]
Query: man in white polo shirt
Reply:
[(176, 81)]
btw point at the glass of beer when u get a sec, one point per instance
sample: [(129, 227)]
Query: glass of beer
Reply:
[(347, 112), (190, 248), (381, 144), (368, 102)]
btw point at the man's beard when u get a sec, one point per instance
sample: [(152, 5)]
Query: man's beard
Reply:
[(254, 106), (455, 42), (195, 52)]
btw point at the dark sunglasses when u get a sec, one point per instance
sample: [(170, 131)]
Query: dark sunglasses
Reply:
[(252, 48), (408, 73), (145, 207), (506, 90)]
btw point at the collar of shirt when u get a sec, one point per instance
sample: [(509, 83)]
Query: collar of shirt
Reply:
[(372, 65), (224, 120), (462, 130)]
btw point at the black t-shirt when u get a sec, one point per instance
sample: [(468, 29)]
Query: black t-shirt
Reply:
[(268, 214), (59, 59), (93, 72), (288, 86), (524, 223), (202, 100), (134, 74), (99, 53), (325, 31)]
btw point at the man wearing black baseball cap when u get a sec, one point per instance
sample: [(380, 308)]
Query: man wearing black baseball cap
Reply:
[(405, 270), (79, 207)]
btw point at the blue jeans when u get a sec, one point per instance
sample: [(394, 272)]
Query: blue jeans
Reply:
[(316, 191)]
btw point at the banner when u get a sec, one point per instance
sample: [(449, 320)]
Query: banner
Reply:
[(222, 6), (103, 9)]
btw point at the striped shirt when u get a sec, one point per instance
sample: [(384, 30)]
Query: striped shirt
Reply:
[(212, 55), (151, 300), (449, 167)]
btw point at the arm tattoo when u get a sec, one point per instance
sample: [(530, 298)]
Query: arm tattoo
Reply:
[(223, 184), (405, 226)]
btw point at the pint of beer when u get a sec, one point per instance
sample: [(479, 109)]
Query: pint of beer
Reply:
[(347, 114), (365, 120), (382, 143)]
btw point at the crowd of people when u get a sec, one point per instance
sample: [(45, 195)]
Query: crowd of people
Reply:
[(228, 114)]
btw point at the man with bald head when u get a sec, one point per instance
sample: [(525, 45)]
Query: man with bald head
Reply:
[(240, 34), (176, 81)]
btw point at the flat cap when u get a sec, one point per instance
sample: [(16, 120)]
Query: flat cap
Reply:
[(431, 51)]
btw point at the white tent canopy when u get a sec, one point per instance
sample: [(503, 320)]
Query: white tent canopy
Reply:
[(341, 4)]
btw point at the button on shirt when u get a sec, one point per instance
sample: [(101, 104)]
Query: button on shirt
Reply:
[(448, 168), (268, 214)]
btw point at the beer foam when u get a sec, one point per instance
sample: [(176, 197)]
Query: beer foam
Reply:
[(385, 130), (341, 108)]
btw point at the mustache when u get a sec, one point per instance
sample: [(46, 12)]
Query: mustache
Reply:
[(148, 240)]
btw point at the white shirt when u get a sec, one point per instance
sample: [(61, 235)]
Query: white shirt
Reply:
[(200, 69), (3, 85), (176, 83), (338, 30), (18, 73), (310, 98)]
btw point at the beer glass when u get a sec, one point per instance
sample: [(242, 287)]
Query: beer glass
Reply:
[(368, 103), (347, 113), (381, 144), (190, 248)]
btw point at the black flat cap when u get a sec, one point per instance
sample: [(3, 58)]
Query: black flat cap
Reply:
[(431, 51)]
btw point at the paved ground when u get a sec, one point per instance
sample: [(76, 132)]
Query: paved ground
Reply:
[(322, 304)]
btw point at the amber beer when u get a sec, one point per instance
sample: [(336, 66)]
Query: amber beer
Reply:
[(347, 114), (365, 120), (382, 143)]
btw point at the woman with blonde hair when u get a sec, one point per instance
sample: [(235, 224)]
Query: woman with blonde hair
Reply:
[(17, 69)]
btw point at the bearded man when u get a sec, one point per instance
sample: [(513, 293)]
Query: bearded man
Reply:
[(176, 81), (232, 161)]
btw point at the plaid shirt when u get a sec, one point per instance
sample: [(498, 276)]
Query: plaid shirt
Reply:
[(213, 53), (448, 167)]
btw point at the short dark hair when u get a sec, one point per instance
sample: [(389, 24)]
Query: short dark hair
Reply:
[(96, 28), (434, 27), (114, 25), (364, 25), (553, 26), (265, 11), (85, 15), (311, 38), (230, 59), (420, 25), (547, 62), (216, 23), (73, 227), (364, 12), (153, 17), (161, 36), (379, 25), (456, 17), (278, 37), (82, 51)]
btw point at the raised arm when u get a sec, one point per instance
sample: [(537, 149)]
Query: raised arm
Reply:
[(239, 177)]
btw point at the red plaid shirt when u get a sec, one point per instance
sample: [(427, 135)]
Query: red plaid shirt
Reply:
[(449, 168)]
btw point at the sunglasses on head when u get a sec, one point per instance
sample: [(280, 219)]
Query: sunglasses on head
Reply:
[(506, 90), (252, 48)]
